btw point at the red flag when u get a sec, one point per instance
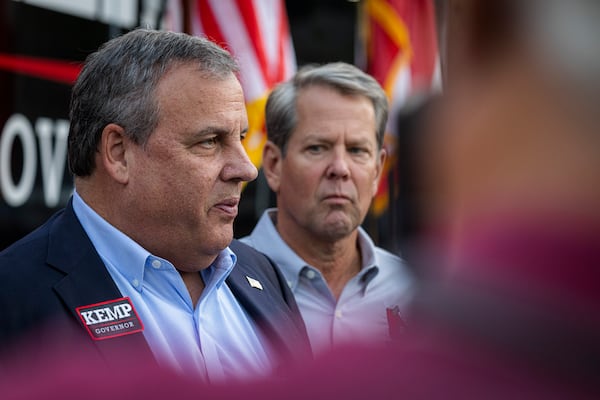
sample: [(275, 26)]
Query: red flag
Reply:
[(256, 32), (402, 54)]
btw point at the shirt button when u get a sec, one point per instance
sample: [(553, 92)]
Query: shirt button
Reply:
[(338, 314), (156, 264), (310, 274), (135, 283)]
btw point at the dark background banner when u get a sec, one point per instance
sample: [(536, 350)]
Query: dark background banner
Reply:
[(41, 51)]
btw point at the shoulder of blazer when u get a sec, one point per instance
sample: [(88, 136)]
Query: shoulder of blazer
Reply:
[(57, 261)]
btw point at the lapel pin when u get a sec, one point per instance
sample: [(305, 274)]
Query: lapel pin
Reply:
[(254, 283)]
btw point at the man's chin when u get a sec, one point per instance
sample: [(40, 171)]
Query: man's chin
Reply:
[(336, 229), (221, 239)]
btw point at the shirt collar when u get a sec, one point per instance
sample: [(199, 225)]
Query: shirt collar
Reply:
[(265, 235), (129, 259), (114, 247), (367, 249), (215, 275), (369, 268)]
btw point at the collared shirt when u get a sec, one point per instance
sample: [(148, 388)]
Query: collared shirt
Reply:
[(215, 339), (369, 303)]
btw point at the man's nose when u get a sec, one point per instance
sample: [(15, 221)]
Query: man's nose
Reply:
[(338, 165), (239, 167)]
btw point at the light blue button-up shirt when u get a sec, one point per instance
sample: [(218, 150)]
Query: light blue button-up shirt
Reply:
[(216, 339), (361, 314)]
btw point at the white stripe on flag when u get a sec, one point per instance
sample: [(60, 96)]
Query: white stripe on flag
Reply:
[(235, 34)]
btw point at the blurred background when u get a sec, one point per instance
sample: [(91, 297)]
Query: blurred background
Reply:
[(44, 42)]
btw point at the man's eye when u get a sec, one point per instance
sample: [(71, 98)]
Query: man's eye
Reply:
[(358, 150), (209, 142), (315, 148)]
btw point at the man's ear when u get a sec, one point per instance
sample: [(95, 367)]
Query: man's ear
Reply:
[(271, 164), (380, 167), (113, 147)]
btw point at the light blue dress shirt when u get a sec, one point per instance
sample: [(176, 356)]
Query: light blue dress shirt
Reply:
[(216, 339), (360, 315)]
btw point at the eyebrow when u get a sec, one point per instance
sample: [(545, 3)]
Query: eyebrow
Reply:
[(215, 130), (311, 137), (361, 141)]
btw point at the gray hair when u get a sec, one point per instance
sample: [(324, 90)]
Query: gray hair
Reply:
[(117, 85), (280, 110)]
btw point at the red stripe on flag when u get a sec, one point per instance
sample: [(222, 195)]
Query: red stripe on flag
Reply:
[(282, 48), (210, 25), (421, 23), (419, 18), (248, 14), (52, 70), (381, 52)]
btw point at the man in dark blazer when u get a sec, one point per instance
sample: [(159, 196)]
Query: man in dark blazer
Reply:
[(142, 256)]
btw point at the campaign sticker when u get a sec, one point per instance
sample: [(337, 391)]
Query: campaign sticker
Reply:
[(110, 319)]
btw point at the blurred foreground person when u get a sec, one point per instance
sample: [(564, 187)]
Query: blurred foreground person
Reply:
[(142, 256), (511, 228)]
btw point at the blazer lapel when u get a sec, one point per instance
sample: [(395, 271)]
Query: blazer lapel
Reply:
[(270, 313), (87, 282)]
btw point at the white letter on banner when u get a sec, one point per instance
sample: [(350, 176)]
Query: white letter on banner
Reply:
[(53, 165), (17, 126)]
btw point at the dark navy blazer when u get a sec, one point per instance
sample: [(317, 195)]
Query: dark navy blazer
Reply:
[(46, 275)]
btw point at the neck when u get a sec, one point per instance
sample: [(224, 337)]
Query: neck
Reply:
[(338, 261), (194, 284)]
